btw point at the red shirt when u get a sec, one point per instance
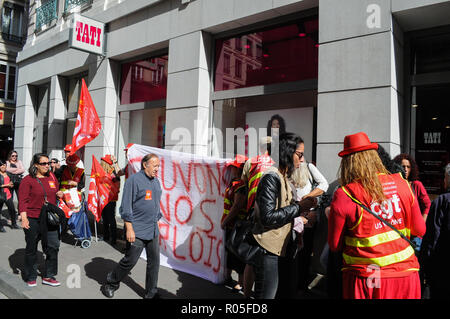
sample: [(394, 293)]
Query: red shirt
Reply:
[(6, 180), (31, 194), (422, 196)]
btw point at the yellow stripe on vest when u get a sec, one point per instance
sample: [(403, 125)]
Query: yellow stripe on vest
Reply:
[(257, 175), (226, 211), (377, 239), (226, 201), (380, 261), (253, 190)]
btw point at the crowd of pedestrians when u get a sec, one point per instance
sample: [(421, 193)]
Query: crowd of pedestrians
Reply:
[(377, 213)]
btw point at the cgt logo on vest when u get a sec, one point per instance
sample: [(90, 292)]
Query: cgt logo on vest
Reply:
[(387, 207)]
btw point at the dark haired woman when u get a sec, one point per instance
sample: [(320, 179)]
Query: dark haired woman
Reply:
[(15, 168), (275, 210), (6, 187), (412, 175), (276, 125), (40, 183)]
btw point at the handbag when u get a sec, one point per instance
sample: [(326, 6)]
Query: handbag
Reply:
[(52, 217), (240, 242), (15, 178)]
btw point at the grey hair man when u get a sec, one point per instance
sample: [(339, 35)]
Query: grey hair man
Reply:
[(140, 211)]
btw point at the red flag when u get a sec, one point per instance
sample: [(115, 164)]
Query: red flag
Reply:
[(101, 189), (88, 124)]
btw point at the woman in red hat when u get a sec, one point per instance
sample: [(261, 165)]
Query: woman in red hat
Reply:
[(377, 262)]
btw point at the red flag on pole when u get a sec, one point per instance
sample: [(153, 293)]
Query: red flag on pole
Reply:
[(88, 124), (101, 189)]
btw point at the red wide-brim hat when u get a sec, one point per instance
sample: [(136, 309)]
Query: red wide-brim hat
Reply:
[(357, 143), (72, 160)]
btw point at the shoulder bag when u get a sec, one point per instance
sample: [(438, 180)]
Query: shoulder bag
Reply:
[(52, 217)]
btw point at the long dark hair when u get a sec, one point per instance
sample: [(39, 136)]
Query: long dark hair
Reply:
[(392, 166), (35, 160), (414, 173), (289, 143), (280, 120)]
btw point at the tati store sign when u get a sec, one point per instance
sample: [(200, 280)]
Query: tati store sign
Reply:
[(87, 35)]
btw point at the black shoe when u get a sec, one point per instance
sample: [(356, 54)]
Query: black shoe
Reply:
[(108, 290), (15, 226), (2, 230), (155, 296)]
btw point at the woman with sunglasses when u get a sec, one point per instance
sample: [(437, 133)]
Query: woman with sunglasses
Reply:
[(15, 168), (34, 187)]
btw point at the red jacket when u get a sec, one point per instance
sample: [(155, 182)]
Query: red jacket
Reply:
[(422, 196), (364, 240)]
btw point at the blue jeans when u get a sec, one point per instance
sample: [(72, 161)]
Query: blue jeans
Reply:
[(266, 276)]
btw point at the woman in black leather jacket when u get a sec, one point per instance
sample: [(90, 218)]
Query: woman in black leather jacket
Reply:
[(274, 216)]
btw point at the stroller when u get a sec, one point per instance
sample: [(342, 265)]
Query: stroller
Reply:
[(78, 224)]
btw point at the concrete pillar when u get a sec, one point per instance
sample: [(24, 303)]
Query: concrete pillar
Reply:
[(360, 76), (24, 124), (188, 93), (56, 117), (102, 87)]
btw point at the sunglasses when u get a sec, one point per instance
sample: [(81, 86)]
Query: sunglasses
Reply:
[(13, 155), (299, 154), (44, 164)]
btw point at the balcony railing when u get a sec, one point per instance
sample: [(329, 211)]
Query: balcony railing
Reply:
[(46, 13), (70, 4)]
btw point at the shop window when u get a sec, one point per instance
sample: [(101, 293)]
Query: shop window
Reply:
[(239, 122), (146, 127), (284, 53), (144, 80), (7, 82)]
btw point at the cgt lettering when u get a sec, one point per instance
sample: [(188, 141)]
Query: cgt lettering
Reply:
[(386, 208), (88, 34)]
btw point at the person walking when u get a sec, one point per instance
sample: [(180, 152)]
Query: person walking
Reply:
[(140, 211), (377, 262), (6, 196), (436, 243), (275, 211), (16, 169), (39, 185), (109, 165)]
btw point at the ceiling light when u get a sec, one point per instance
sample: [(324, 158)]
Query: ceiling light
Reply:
[(414, 105), (434, 118)]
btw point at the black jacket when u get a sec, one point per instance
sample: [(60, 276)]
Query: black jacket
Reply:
[(269, 189)]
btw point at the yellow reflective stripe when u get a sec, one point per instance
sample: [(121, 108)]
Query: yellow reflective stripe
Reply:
[(64, 183), (348, 194), (359, 220), (226, 211), (253, 190), (380, 261), (258, 175), (375, 240), (226, 201)]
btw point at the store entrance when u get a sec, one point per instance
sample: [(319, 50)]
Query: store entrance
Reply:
[(431, 125)]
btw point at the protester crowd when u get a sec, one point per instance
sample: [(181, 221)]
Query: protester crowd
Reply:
[(385, 238)]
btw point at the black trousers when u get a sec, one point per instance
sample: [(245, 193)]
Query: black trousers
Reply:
[(130, 259), (51, 249), (109, 222), (11, 209)]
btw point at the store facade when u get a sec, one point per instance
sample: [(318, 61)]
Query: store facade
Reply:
[(205, 76)]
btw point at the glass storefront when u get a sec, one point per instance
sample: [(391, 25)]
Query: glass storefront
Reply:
[(144, 80), (285, 53), (260, 74), (430, 112)]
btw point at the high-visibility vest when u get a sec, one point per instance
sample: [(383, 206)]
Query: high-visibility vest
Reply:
[(259, 164), (229, 197), (370, 245)]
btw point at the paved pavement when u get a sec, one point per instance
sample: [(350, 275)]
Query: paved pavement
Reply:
[(83, 270)]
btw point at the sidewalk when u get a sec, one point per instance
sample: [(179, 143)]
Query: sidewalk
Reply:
[(82, 271)]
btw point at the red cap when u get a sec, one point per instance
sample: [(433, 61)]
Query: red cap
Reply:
[(72, 160), (68, 148), (357, 143), (107, 159), (128, 146), (239, 161)]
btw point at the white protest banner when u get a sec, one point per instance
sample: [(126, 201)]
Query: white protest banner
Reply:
[(193, 188)]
